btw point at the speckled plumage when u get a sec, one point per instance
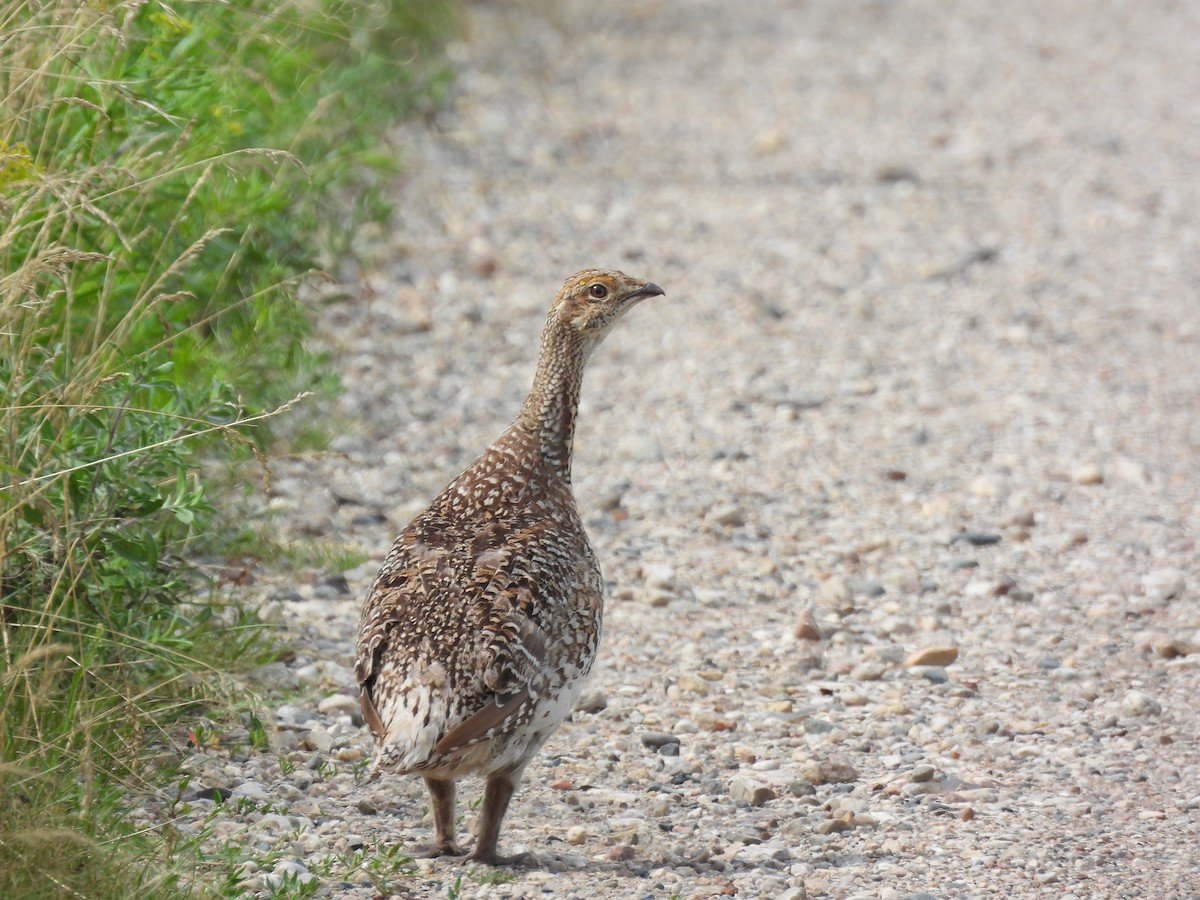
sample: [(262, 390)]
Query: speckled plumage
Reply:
[(484, 621)]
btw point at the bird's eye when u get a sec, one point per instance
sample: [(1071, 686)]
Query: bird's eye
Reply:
[(598, 291)]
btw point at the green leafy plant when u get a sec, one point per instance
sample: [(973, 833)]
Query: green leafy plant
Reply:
[(166, 178), (492, 876), (258, 733)]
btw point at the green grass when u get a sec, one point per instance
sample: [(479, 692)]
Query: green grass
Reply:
[(169, 172)]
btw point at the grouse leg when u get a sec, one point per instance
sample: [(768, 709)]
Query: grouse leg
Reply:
[(496, 795), (441, 794)]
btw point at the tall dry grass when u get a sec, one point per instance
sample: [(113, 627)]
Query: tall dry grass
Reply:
[(164, 170)]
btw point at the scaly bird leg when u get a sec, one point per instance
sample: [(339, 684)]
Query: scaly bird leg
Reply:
[(441, 794), (496, 795)]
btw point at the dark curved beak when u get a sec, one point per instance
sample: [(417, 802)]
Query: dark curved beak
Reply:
[(650, 290)]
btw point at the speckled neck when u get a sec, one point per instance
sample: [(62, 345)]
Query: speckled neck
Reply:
[(549, 411)]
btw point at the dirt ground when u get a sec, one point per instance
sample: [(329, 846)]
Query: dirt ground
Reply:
[(896, 489)]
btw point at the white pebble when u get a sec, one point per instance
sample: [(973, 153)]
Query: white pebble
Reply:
[(1139, 703)]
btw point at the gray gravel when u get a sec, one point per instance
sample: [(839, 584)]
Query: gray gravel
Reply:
[(896, 489)]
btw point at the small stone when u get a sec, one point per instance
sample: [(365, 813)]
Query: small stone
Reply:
[(1172, 648), (319, 739), (305, 806), (1022, 518), (868, 671), (922, 773), (835, 593), (610, 500), (1139, 703), (251, 790), (1075, 538), (769, 142), (425, 866), (639, 446), (933, 674), (779, 706), (1002, 587), (658, 575), (620, 853), (337, 704), (987, 486), (867, 588), (844, 822), (731, 516), (893, 626), (750, 791), (745, 755), (833, 771), (576, 834), (659, 597), (295, 870), (657, 739), (1089, 473), (888, 654), (976, 538), (979, 588), (1164, 585), (966, 815), (807, 628), (687, 681), (484, 266), (799, 788), (367, 807), (1132, 472), (592, 702), (292, 714), (932, 656)]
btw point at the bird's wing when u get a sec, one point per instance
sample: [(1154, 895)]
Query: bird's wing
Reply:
[(414, 572), (515, 674), (486, 721), (396, 624), (468, 604)]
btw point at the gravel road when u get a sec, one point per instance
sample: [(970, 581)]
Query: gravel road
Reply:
[(896, 489)]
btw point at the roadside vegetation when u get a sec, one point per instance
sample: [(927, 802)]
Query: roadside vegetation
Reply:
[(169, 173)]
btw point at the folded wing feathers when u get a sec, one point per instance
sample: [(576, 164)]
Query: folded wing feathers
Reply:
[(418, 587), (481, 724)]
